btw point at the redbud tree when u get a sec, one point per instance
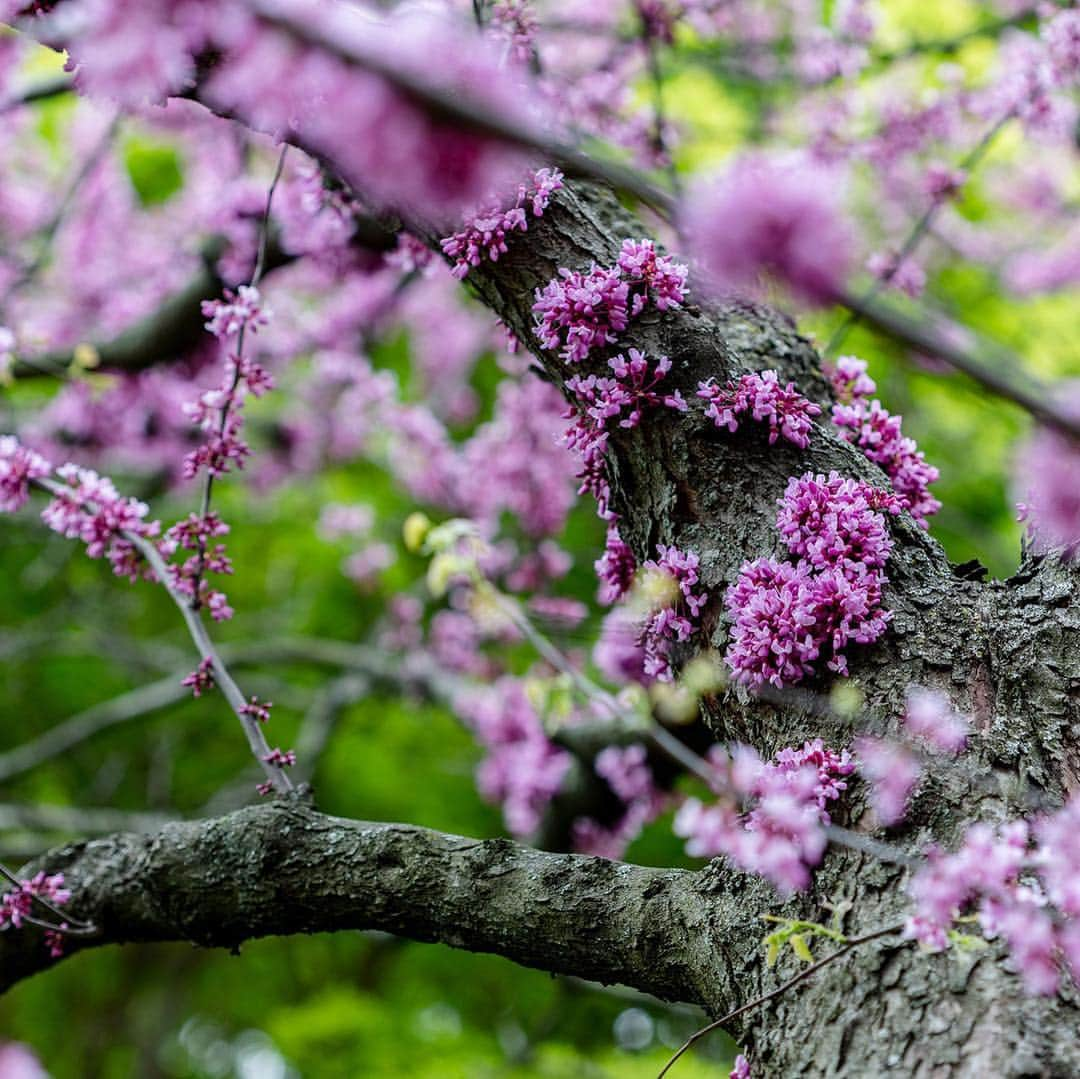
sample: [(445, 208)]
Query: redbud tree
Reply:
[(558, 370)]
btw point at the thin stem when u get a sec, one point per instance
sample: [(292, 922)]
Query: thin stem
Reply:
[(48, 233), (11, 878), (65, 928), (802, 976), (914, 238), (256, 277), (1005, 379), (222, 678)]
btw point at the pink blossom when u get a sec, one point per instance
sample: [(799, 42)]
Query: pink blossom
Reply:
[(661, 275), (577, 312), (18, 466), (1047, 477), (201, 679), (768, 214), (877, 433), (892, 772), (931, 716), (787, 616), (783, 835), (485, 233), (787, 412), (669, 624)]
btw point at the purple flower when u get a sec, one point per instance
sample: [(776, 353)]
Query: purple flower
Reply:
[(786, 411), (892, 772), (775, 215), (615, 567), (18, 466), (577, 312), (668, 623), (782, 835), (931, 716), (485, 233), (660, 274), (1047, 478), (877, 433)]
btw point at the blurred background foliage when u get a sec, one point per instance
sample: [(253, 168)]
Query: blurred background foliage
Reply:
[(354, 1005)]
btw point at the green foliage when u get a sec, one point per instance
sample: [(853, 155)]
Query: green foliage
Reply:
[(154, 168), (794, 933)]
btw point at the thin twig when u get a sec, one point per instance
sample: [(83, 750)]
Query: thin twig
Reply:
[(256, 277), (802, 976), (52, 226), (914, 238), (51, 908), (222, 678), (1005, 379)]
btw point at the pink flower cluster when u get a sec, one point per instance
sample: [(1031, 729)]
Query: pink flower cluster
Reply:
[(18, 466), (674, 622), (615, 568), (782, 836), (582, 310), (771, 214), (90, 509), (485, 232), (279, 759), (626, 771), (787, 411), (877, 433), (892, 771), (787, 615), (1023, 884), (87, 507), (394, 149), (661, 276), (201, 680), (930, 716), (892, 768), (602, 403), (218, 412), (632, 388), (195, 534), (523, 768), (18, 905)]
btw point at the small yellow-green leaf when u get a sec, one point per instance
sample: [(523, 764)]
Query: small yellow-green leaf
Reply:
[(772, 952), (801, 948)]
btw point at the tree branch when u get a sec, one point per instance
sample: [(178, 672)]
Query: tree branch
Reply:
[(283, 868)]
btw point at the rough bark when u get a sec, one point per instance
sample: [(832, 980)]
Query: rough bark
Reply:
[(282, 867), (1007, 651)]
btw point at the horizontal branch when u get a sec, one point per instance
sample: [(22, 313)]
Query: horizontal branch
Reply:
[(283, 868)]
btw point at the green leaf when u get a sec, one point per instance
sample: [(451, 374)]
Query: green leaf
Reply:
[(154, 169), (801, 948), (772, 951)]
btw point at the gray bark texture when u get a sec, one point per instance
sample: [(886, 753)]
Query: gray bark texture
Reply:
[(1006, 651)]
